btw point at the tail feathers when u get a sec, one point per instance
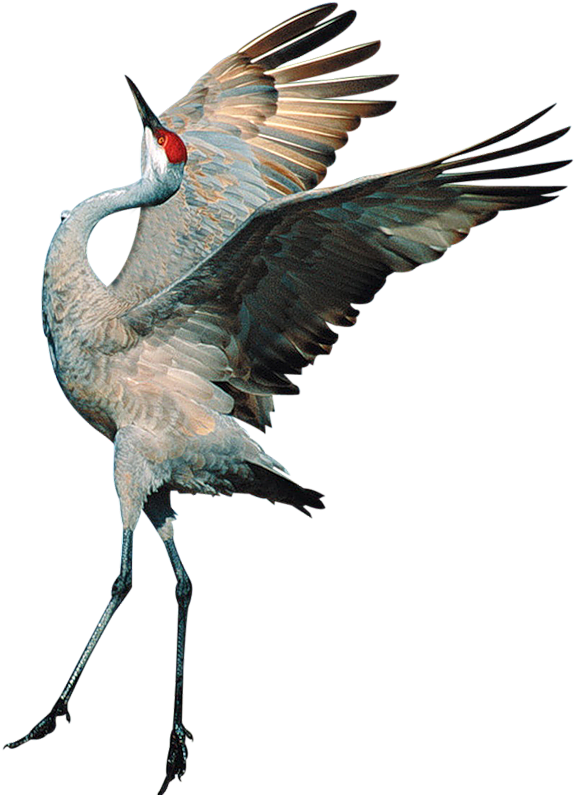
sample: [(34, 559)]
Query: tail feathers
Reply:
[(277, 488)]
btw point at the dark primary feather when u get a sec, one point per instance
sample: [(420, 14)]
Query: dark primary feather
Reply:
[(267, 297), (254, 132), (241, 291)]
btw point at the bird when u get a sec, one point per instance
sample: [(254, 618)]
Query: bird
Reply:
[(239, 270)]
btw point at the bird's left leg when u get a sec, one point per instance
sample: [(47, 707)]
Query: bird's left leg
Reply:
[(159, 511), (132, 477), (120, 590)]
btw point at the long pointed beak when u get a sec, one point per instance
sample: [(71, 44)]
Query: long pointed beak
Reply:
[(148, 117)]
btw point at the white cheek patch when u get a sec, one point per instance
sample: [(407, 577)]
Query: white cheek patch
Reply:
[(156, 156)]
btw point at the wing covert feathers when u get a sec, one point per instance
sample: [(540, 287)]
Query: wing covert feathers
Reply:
[(256, 90), (268, 297), (254, 131), (240, 276)]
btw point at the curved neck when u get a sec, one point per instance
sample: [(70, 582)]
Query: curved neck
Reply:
[(70, 285), (83, 218), (71, 288)]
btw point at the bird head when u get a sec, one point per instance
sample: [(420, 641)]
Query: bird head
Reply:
[(164, 153)]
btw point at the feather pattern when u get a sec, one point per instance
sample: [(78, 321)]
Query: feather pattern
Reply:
[(266, 298), (253, 133), (233, 284)]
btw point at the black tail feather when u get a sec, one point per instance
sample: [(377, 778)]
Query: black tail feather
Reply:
[(276, 488)]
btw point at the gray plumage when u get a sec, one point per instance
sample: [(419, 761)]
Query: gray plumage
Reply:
[(238, 280), (236, 276)]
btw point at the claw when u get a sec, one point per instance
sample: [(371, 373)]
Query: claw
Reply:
[(46, 725), (177, 755)]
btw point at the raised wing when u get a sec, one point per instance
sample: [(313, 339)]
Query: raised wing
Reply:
[(256, 128), (261, 305)]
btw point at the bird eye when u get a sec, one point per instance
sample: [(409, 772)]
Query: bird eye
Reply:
[(161, 140), (64, 214)]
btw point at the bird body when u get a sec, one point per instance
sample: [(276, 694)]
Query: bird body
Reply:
[(118, 382), (205, 322), (174, 419), (236, 276)]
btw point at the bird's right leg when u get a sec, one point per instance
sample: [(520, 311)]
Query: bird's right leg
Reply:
[(159, 511)]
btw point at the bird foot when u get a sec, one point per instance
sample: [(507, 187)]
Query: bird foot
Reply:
[(46, 725), (177, 755)]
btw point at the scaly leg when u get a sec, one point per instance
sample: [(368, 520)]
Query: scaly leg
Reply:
[(177, 755), (160, 513), (120, 590), (131, 475)]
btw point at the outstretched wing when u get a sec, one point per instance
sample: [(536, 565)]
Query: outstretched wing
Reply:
[(253, 132), (264, 301)]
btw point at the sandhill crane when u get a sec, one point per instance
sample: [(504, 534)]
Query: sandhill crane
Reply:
[(236, 275)]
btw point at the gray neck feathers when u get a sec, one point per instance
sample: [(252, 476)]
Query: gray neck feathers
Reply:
[(68, 277)]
